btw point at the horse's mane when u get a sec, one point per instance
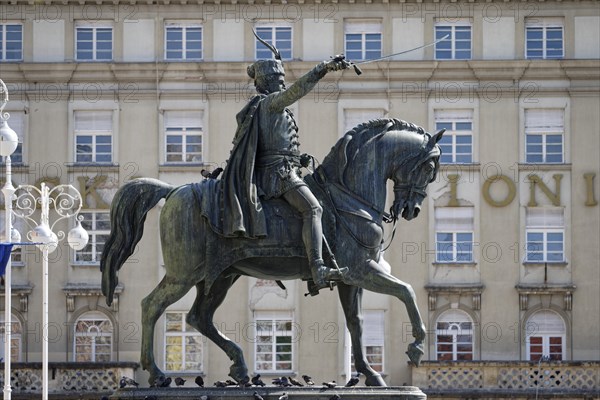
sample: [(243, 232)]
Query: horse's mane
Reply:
[(347, 147)]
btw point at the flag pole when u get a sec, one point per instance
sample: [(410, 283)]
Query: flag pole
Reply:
[(8, 144)]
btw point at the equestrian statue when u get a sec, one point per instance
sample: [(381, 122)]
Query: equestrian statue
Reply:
[(263, 219)]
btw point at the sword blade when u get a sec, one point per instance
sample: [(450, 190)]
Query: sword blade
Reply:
[(403, 52)]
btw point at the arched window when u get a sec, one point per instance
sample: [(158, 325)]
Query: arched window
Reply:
[(93, 338), (546, 336), (454, 336), (16, 338)]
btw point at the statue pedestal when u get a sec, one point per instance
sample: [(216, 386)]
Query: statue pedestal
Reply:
[(273, 393)]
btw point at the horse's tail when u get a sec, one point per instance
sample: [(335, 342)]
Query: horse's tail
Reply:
[(127, 215)]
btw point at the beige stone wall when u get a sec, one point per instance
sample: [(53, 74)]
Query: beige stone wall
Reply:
[(498, 85)]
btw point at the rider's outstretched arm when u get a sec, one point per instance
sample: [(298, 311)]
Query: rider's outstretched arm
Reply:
[(285, 98)]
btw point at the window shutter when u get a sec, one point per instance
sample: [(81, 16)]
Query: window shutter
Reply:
[(454, 316), (17, 123), (96, 121), (537, 21), (545, 217), (353, 117), (183, 119), (544, 120), (547, 322), (453, 219), (373, 328), (362, 27), (274, 315), (453, 115)]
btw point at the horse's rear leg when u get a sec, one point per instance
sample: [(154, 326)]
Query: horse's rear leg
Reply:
[(201, 318), (379, 281), (351, 300), (166, 293)]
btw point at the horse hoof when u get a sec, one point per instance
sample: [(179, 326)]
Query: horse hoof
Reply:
[(415, 352), (156, 379), (239, 374), (375, 380)]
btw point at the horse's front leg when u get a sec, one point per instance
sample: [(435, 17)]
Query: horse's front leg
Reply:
[(376, 279), (351, 300)]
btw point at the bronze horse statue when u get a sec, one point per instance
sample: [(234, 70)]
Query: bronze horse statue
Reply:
[(351, 186)]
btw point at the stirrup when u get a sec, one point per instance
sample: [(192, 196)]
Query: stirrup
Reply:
[(323, 275)]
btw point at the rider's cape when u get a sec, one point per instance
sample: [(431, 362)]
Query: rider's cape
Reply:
[(242, 211)]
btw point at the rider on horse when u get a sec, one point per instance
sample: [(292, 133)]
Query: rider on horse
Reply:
[(265, 161)]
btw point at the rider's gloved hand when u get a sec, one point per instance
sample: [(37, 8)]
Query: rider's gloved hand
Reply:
[(336, 64)]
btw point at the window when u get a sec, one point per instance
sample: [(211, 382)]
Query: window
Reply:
[(356, 116), (183, 41), (278, 35), (457, 142), (183, 344), (544, 135), (454, 336), (97, 224), (183, 136), (17, 255), (93, 338), (93, 43), (545, 234), (546, 336), (454, 234), (16, 338), (273, 343), (373, 338), (93, 137), (362, 40), (458, 44), (11, 42), (544, 38)]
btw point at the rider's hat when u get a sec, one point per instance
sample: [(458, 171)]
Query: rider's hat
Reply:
[(266, 67)]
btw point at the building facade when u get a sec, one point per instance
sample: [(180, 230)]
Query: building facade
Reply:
[(503, 258)]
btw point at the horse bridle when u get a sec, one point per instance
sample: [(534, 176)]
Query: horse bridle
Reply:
[(406, 191)]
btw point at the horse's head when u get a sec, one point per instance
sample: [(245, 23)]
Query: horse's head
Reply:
[(413, 175)]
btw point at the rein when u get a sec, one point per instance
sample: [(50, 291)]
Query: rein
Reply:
[(324, 183)]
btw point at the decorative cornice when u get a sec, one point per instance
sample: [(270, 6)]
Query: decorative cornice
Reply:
[(544, 288), (148, 73), (565, 290), (73, 290), (474, 290), (18, 290), (262, 2), (23, 292), (458, 288), (85, 289), (545, 167)]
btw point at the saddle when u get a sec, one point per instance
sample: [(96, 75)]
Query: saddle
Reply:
[(284, 231)]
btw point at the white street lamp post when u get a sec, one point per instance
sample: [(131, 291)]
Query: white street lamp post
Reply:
[(66, 202)]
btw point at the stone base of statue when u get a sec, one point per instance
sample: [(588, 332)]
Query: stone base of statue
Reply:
[(273, 393)]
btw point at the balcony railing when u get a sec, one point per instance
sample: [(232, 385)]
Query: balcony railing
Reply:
[(514, 377), (69, 377)]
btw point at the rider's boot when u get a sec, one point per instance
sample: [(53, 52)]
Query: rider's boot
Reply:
[(322, 274)]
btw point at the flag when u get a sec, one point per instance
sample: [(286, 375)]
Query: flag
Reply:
[(5, 249)]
